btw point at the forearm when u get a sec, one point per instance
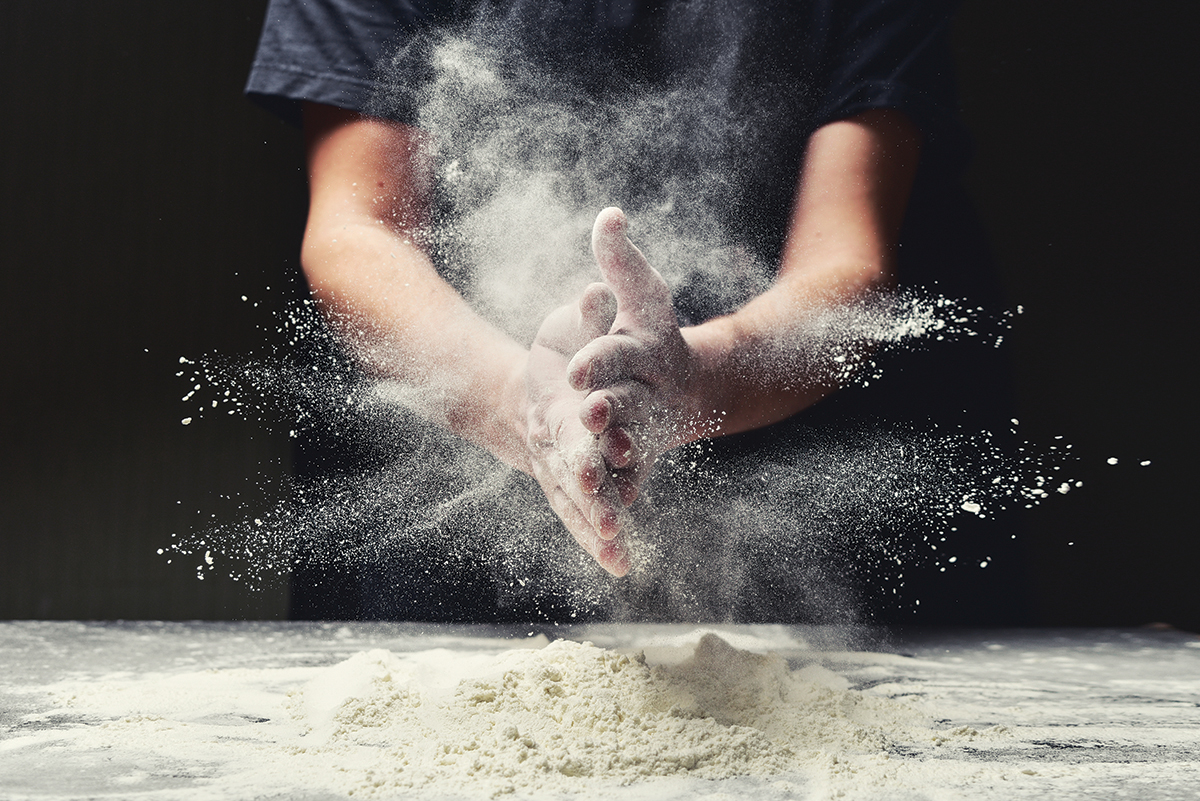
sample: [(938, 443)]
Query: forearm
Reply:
[(400, 320), (772, 358)]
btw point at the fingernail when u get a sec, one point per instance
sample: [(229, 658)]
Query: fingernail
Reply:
[(615, 559), (608, 527), (579, 375)]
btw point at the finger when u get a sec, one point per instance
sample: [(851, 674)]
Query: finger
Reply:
[(595, 412), (617, 448), (580, 470), (605, 510), (628, 481), (610, 554), (597, 310), (568, 328), (605, 361), (560, 330), (640, 290), (571, 515), (614, 557), (602, 504), (628, 489), (618, 406)]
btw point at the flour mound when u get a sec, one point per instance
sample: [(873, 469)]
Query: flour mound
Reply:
[(569, 715)]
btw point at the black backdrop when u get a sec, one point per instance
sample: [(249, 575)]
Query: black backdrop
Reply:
[(143, 197)]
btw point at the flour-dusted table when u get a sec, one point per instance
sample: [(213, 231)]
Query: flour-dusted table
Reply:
[(1045, 714)]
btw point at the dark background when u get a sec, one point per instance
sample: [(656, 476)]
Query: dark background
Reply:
[(143, 196)]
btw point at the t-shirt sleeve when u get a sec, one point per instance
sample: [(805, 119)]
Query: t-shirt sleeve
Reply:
[(894, 54), (324, 51)]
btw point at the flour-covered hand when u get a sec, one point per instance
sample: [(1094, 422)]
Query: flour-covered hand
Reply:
[(566, 457), (638, 375)]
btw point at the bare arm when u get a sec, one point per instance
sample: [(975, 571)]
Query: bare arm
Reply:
[(368, 185), (853, 191), (369, 182)]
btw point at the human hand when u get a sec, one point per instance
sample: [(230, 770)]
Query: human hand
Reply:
[(565, 456), (638, 376)]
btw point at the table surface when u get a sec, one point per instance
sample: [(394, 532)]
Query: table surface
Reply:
[(1084, 713)]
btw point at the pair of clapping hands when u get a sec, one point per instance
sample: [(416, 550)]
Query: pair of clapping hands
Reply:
[(609, 386)]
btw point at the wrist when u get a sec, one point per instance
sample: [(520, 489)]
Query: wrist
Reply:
[(491, 411), (508, 415), (704, 407), (512, 417)]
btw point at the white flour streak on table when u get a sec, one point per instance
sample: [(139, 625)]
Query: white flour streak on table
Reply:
[(685, 716)]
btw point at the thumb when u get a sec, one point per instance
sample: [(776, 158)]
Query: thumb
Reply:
[(568, 328), (638, 287)]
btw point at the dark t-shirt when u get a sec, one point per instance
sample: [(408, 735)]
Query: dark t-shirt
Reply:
[(849, 56), (787, 68)]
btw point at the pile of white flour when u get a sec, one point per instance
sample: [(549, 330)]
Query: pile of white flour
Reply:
[(167, 712), (565, 716)]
